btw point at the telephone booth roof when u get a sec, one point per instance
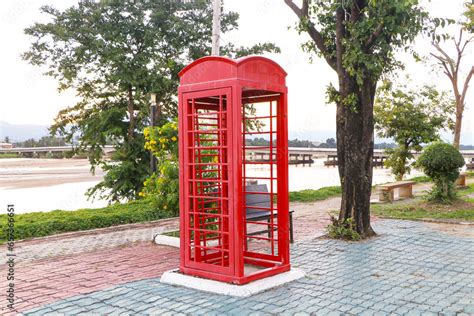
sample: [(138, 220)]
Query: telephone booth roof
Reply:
[(252, 72)]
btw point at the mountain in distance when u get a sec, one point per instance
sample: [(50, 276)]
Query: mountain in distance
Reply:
[(22, 132)]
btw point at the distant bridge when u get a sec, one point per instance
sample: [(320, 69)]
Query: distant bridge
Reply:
[(300, 155), (324, 152), (293, 151), (53, 149)]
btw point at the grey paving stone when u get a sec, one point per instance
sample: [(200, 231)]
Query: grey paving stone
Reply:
[(409, 269)]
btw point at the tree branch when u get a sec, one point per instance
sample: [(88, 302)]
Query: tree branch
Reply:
[(315, 35), (466, 85), (443, 63), (373, 37), (447, 60)]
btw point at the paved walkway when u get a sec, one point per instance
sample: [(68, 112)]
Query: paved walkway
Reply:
[(62, 266), (410, 268)]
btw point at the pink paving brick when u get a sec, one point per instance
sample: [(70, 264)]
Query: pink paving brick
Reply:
[(49, 280), (58, 276)]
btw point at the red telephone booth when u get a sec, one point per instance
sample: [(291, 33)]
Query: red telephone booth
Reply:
[(233, 169)]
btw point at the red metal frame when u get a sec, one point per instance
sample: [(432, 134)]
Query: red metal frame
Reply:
[(217, 241)]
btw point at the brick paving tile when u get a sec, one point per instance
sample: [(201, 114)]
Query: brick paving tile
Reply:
[(48, 280), (70, 264), (396, 272)]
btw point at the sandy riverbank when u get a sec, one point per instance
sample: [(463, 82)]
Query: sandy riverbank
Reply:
[(21, 173), (38, 185)]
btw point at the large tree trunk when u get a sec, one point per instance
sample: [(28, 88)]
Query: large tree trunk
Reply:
[(355, 152)]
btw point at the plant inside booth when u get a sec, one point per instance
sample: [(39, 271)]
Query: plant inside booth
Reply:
[(441, 162)]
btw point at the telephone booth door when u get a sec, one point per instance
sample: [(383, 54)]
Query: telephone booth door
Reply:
[(207, 209)]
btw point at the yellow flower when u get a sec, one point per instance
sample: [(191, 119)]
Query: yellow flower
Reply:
[(163, 146), (165, 207), (174, 138), (141, 194)]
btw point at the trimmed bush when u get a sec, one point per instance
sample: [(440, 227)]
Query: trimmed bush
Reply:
[(441, 162)]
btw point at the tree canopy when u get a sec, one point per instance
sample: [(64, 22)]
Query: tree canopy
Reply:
[(359, 40), (113, 54), (411, 117)]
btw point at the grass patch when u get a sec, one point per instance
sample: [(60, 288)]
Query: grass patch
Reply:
[(315, 195), (41, 224), (9, 155), (461, 209), (414, 212), (420, 179), (174, 233)]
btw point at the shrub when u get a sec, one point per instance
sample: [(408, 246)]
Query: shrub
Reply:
[(343, 229), (441, 162), (162, 187)]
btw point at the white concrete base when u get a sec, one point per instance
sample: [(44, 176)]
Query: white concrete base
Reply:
[(175, 241), (167, 240), (173, 277)]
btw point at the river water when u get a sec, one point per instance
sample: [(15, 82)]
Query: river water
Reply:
[(50, 184)]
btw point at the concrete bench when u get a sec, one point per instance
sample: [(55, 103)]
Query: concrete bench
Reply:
[(405, 190), (461, 181)]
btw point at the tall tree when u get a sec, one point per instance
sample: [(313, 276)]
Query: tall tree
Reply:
[(451, 67), (358, 39), (113, 54), (412, 117)]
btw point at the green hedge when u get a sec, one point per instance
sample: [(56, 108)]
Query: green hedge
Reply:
[(40, 224)]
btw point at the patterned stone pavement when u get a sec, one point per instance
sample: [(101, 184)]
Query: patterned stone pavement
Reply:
[(410, 268), (88, 241), (65, 265)]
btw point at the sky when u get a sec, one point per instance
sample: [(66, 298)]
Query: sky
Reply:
[(28, 97)]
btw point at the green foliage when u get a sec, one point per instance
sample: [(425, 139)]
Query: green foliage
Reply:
[(45, 141), (412, 118), (113, 54), (459, 210), (40, 224), (9, 155), (162, 187), (342, 229), (469, 14), (315, 195), (374, 31), (441, 162), (420, 179)]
